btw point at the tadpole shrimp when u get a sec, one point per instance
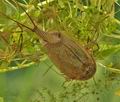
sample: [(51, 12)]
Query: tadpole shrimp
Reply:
[(72, 59)]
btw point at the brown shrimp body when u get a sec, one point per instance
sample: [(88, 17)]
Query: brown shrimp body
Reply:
[(71, 59)]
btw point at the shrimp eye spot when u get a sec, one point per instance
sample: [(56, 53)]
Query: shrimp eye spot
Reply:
[(59, 35)]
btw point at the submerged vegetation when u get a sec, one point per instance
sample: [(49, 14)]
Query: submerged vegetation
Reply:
[(94, 24)]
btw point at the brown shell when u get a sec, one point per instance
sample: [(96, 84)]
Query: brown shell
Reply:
[(72, 59)]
